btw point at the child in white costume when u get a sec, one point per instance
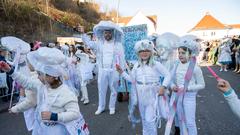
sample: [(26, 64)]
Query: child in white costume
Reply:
[(224, 57), (187, 50), (166, 46), (146, 73), (26, 102), (84, 70), (56, 104), (109, 52)]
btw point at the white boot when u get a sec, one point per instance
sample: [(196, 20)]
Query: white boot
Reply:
[(86, 102), (85, 94), (99, 111)]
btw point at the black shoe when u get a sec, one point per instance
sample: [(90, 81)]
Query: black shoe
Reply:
[(177, 131)]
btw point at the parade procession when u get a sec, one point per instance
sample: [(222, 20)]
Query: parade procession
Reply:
[(101, 67)]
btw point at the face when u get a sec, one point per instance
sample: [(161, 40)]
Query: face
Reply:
[(44, 78), (145, 54), (183, 55), (108, 35), (41, 77), (3, 53)]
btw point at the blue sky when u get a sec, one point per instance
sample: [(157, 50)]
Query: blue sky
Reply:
[(179, 16)]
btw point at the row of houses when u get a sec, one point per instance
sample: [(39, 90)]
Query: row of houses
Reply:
[(208, 28)]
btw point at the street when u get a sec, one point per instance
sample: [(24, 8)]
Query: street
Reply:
[(213, 116)]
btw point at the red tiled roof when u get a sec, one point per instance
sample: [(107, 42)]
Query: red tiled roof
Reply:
[(208, 22), (234, 25)]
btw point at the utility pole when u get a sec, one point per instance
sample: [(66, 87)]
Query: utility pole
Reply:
[(50, 22), (118, 11)]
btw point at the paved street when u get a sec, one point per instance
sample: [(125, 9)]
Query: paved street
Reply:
[(214, 116)]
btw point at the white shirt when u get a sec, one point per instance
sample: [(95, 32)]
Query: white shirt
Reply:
[(108, 54)]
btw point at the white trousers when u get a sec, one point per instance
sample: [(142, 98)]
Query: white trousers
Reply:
[(84, 90), (147, 108), (189, 103), (107, 77)]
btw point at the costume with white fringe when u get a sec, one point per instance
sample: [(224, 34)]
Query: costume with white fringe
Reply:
[(166, 49), (146, 78), (108, 54), (84, 71), (26, 103), (189, 79), (61, 100)]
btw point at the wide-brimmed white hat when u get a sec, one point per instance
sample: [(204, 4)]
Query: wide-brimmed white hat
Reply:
[(108, 25), (13, 44), (45, 58), (191, 42), (144, 45)]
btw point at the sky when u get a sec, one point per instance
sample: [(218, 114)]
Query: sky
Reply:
[(178, 16)]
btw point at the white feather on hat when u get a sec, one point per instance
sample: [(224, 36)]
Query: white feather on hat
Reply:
[(144, 45), (108, 25), (191, 42)]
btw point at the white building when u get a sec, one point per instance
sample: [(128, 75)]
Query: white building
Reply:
[(138, 19), (209, 28)]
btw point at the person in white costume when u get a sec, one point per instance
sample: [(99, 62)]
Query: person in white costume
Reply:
[(56, 103), (146, 73), (224, 57), (230, 96), (166, 46), (84, 71), (109, 52), (26, 103), (188, 48)]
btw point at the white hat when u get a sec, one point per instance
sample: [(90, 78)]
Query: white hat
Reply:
[(46, 57), (144, 45), (13, 44), (108, 25), (227, 41), (191, 42)]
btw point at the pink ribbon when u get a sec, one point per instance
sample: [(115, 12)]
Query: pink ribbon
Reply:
[(213, 73)]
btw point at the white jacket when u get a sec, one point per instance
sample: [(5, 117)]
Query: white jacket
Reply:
[(234, 103), (65, 104), (29, 101), (197, 81), (98, 47)]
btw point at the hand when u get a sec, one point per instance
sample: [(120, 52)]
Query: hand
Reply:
[(10, 111), (119, 69), (223, 85), (46, 115), (161, 91), (175, 88), (4, 66), (82, 30)]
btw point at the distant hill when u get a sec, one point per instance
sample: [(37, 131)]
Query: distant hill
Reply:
[(33, 20)]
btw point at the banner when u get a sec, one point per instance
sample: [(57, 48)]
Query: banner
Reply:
[(132, 34)]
